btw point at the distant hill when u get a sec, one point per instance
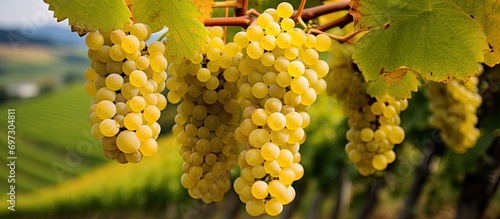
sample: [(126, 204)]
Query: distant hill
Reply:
[(48, 35)]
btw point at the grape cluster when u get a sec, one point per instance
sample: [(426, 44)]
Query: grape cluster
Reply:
[(281, 75), (374, 127), (207, 116), (454, 108), (125, 79)]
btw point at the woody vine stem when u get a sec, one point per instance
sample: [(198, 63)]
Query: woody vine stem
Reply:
[(244, 17)]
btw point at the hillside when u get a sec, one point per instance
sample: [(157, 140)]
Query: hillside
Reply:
[(52, 138), (150, 184)]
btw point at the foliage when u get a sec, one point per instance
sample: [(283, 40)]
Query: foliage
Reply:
[(87, 16), (485, 13), (183, 18), (434, 38), (185, 36)]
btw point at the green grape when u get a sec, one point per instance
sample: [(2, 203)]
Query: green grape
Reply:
[(254, 50), (268, 42), (273, 28), (296, 68), (138, 78), (259, 190), (454, 108), (264, 19), (298, 36), (254, 33), (379, 162), (241, 40), (116, 53), (283, 40), (127, 141), (134, 157), (142, 63), (109, 127), (207, 115), (132, 121), (284, 10), (374, 127), (94, 40), (310, 56), (140, 31), (323, 42), (287, 24), (130, 44), (299, 85), (276, 121), (105, 109)]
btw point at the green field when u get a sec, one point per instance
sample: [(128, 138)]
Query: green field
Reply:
[(52, 138), (154, 180)]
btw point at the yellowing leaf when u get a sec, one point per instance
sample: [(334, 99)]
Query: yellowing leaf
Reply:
[(91, 15), (398, 90), (185, 35), (432, 37), (487, 14), (205, 7), (395, 75)]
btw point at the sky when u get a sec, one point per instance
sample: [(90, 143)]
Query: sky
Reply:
[(27, 14)]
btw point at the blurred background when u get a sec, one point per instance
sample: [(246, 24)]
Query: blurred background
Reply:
[(60, 171)]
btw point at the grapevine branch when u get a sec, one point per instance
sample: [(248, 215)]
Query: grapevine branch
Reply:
[(226, 4), (310, 13), (242, 21), (226, 14), (243, 17), (241, 7), (341, 22)]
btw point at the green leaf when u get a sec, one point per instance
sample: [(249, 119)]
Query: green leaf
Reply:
[(91, 15), (431, 37), (487, 14), (398, 90), (185, 35)]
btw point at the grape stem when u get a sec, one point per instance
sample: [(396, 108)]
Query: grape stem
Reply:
[(131, 12), (241, 8), (297, 16), (226, 4), (341, 22), (162, 36), (226, 14), (310, 13), (242, 21), (341, 39)]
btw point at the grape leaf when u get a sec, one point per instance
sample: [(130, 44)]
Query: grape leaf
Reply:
[(398, 90), (431, 37), (91, 15), (487, 14), (205, 7), (185, 35)]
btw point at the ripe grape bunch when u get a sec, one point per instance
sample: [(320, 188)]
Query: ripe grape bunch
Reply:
[(207, 117), (374, 127), (281, 75), (454, 108), (125, 79)]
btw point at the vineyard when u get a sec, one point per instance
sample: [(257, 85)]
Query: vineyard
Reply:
[(36, 168), (336, 109)]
